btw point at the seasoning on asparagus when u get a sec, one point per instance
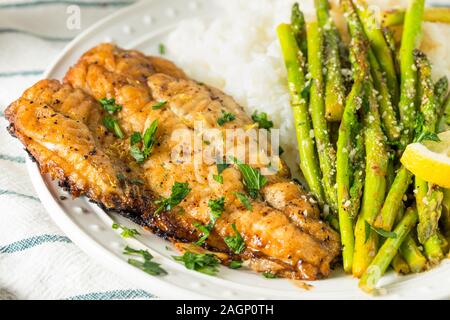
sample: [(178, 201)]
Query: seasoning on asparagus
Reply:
[(296, 80), (428, 197), (325, 150), (408, 70), (334, 88), (348, 130), (379, 46), (298, 26), (376, 154)]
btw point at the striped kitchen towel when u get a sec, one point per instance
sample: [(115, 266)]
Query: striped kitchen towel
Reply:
[(37, 261)]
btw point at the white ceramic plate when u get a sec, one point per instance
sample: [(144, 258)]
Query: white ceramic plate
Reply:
[(143, 26)]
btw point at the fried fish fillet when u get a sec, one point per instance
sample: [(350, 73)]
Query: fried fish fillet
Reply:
[(61, 127)]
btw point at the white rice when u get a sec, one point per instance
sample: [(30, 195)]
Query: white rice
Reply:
[(238, 52)]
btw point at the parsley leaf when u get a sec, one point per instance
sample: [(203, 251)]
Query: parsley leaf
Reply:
[(262, 120), (148, 141), (137, 154), (218, 178), (112, 125), (217, 206), (110, 105), (179, 191), (202, 262), (269, 275), (381, 232), (221, 167), (235, 264), (135, 138), (253, 179), (159, 105), (426, 135), (148, 265), (137, 181), (420, 133), (226, 117), (244, 200), (126, 232), (236, 242), (162, 49)]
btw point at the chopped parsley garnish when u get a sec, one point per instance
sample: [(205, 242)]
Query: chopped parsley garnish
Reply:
[(244, 200), (217, 206), (126, 232), (220, 167), (201, 262), (262, 120), (381, 232), (179, 191), (426, 135), (218, 178), (110, 105), (148, 141), (420, 133), (112, 125), (120, 176), (235, 264), (226, 117), (148, 265), (162, 49), (159, 105), (269, 275), (253, 179), (137, 181), (236, 242)]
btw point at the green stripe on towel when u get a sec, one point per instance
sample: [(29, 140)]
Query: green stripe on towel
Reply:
[(31, 242), (114, 295)]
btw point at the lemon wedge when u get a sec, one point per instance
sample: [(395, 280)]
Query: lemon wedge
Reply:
[(430, 160)]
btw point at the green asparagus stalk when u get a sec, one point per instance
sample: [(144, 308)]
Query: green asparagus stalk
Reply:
[(347, 211), (399, 264), (428, 198), (376, 154), (411, 33), (348, 197), (359, 166), (433, 249), (326, 152), (334, 88), (379, 46), (445, 215), (299, 28), (388, 114), (391, 207), (374, 186), (296, 79), (440, 91), (396, 17), (412, 255), (388, 251), (444, 121)]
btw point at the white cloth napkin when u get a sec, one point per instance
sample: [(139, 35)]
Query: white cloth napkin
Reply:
[(37, 261)]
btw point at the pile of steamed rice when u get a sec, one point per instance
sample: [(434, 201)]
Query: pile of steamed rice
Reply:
[(238, 52)]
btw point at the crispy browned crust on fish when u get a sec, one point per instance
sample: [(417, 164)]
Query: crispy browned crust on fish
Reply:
[(282, 232)]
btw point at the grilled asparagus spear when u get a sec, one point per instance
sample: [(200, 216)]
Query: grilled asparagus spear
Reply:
[(325, 149), (294, 61), (334, 88)]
